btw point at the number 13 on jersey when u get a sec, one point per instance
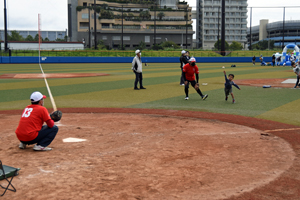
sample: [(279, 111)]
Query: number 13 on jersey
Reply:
[(27, 112)]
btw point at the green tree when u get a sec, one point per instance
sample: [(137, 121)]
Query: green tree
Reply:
[(157, 47), (29, 38), (14, 36), (106, 14), (145, 15), (130, 16), (235, 46), (142, 45), (36, 37), (160, 15), (219, 42), (169, 44), (46, 39), (263, 45)]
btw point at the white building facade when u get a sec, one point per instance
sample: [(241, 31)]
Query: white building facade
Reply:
[(208, 23)]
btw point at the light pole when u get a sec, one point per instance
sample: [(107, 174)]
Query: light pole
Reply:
[(95, 25), (186, 28), (5, 27), (122, 29), (223, 29)]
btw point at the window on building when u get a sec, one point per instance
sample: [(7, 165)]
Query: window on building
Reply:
[(147, 38), (84, 4), (116, 37), (84, 25), (104, 37), (84, 16), (126, 37)]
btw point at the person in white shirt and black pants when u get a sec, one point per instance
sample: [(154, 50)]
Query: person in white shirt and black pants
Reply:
[(137, 69)]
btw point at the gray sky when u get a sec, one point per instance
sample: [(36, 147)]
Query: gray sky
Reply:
[(23, 14)]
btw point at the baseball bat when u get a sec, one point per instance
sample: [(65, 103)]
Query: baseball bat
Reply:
[(49, 91)]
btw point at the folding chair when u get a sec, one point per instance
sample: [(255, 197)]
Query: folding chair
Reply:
[(5, 173)]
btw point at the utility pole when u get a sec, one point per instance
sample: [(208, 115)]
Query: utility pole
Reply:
[(122, 29), (186, 28), (5, 27), (250, 46), (218, 28), (95, 25), (283, 27), (155, 24), (223, 29), (90, 45)]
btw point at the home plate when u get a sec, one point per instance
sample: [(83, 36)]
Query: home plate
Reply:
[(290, 80), (73, 140)]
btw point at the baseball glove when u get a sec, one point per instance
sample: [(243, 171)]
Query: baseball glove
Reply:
[(197, 86), (56, 115)]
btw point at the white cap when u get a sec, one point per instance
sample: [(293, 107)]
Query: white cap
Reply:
[(137, 51), (37, 96), (193, 59), (183, 51)]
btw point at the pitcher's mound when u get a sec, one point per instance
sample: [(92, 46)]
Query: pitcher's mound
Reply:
[(50, 75)]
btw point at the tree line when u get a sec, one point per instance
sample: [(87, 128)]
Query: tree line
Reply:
[(15, 36)]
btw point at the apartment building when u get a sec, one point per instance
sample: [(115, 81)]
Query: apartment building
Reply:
[(138, 23), (208, 21)]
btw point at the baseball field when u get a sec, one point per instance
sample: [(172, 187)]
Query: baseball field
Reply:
[(154, 144)]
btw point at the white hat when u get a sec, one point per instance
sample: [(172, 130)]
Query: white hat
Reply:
[(37, 96), (183, 51), (193, 59), (137, 51)]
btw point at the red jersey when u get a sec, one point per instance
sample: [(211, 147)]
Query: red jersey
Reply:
[(190, 71), (31, 122)]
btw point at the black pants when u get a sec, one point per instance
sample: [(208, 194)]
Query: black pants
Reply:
[(45, 137), (193, 83), (181, 78), (138, 78), (297, 81)]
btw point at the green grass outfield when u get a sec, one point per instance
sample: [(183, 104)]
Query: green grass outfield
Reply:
[(163, 90)]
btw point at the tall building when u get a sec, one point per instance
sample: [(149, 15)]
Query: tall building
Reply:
[(138, 24), (209, 22)]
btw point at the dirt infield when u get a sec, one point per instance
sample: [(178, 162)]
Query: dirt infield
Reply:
[(262, 82), (156, 154), (50, 75)]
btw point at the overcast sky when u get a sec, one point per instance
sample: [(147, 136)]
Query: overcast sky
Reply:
[(23, 14)]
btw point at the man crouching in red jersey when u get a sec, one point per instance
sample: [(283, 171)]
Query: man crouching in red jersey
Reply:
[(31, 129), (189, 71)]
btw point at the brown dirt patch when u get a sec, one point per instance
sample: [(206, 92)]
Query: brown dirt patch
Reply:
[(50, 75), (157, 154), (262, 82)]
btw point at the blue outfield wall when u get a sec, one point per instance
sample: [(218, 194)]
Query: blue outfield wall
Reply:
[(27, 59)]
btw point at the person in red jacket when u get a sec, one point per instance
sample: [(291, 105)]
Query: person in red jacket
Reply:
[(189, 71), (31, 129)]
